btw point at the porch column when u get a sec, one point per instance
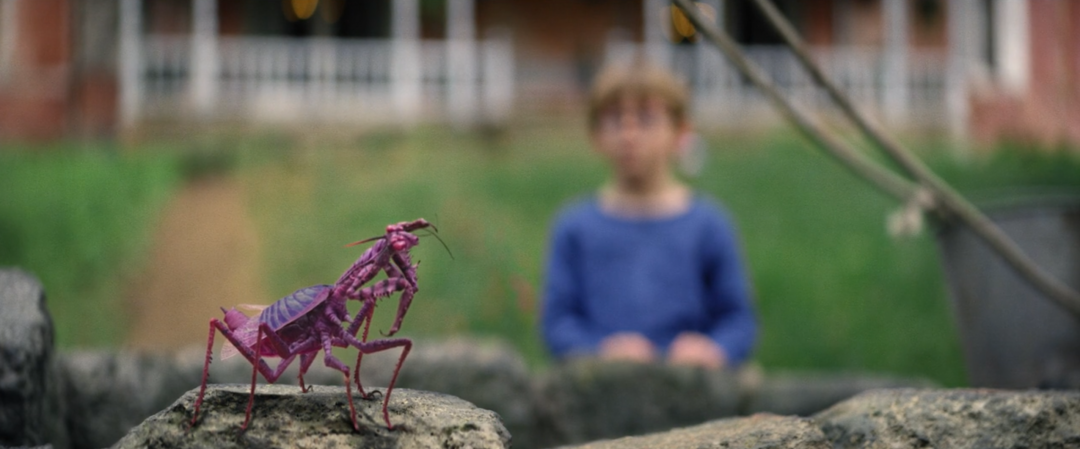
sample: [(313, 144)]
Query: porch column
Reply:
[(895, 64), (130, 61), (656, 45), (405, 66), (497, 68), (709, 79), (1012, 44), (703, 46), (8, 35), (461, 61), (204, 56), (960, 31)]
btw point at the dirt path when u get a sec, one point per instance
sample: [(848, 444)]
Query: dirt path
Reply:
[(204, 256)]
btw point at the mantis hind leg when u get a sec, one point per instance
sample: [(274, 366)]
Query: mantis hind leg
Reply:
[(206, 371), (382, 345), (254, 357), (254, 373), (282, 351), (246, 351)]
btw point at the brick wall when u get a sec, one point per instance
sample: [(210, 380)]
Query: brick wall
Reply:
[(34, 91), (1048, 112)]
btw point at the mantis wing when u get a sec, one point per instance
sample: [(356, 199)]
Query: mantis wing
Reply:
[(245, 334), (254, 308), (244, 329)]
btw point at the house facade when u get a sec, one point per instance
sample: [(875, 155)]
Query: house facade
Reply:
[(331, 61), (978, 69)]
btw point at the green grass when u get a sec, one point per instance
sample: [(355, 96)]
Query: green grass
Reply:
[(79, 217), (833, 290), (491, 206)]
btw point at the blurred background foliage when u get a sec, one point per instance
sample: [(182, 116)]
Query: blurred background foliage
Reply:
[(834, 291), (80, 217)]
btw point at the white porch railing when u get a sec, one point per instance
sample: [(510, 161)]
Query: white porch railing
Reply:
[(722, 96), (279, 79)]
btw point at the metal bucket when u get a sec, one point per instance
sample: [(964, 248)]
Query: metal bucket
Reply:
[(1013, 336)]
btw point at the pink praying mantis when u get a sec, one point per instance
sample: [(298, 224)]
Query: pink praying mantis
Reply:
[(312, 319)]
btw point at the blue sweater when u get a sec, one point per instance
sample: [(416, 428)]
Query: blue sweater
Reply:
[(657, 277)]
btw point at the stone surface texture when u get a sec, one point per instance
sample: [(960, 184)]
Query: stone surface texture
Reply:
[(109, 393), (760, 431), (90, 399), (489, 373), (284, 417), (908, 418), (31, 407), (894, 419), (804, 394), (590, 400), (566, 404)]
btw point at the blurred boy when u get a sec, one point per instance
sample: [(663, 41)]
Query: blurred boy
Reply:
[(645, 269)]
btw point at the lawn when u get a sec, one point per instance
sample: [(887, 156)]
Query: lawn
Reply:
[(833, 290), (79, 217)]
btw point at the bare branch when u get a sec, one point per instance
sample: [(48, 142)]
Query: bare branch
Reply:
[(885, 180), (946, 198)]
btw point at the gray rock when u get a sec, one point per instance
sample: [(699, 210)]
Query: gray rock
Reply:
[(894, 419), (284, 417), (31, 407), (109, 393), (804, 394), (113, 392), (909, 418), (588, 400), (759, 431), (488, 373)]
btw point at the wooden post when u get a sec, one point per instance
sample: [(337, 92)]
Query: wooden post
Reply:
[(461, 62), (322, 73), (1012, 44), (656, 44), (130, 61), (895, 64), (960, 23), (710, 78), (9, 33), (405, 71), (204, 56), (498, 76)]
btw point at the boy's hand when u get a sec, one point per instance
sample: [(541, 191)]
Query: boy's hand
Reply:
[(627, 346), (692, 348)]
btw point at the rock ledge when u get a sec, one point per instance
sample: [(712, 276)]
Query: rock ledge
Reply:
[(285, 417), (893, 419)]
